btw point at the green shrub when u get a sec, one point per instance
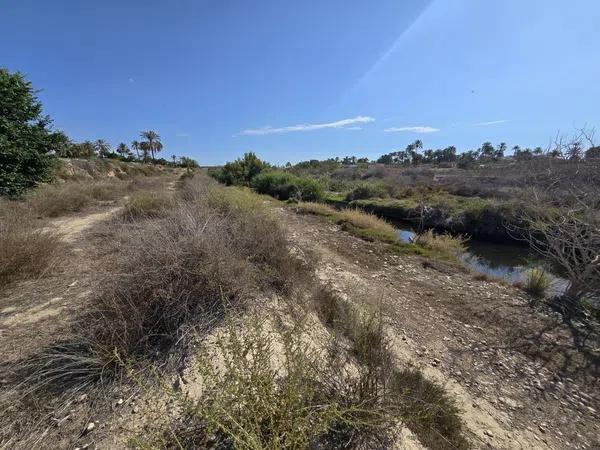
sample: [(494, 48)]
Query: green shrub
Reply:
[(283, 186), (240, 172), (367, 190)]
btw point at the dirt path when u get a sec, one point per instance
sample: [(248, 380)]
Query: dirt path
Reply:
[(515, 373), (35, 312)]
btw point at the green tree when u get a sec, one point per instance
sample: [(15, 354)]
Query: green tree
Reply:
[(102, 148), (241, 171), (123, 150), (26, 138), (135, 145), (153, 141)]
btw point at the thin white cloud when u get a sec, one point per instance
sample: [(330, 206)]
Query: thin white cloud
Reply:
[(181, 134), (425, 129), (485, 124), (131, 80), (340, 124)]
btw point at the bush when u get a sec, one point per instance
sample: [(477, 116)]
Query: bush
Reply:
[(145, 205), (240, 172), (284, 186), (367, 190), (177, 272), (25, 250), (267, 390)]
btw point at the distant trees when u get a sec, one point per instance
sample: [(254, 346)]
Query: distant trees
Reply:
[(123, 150), (26, 137), (592, 153), (102, 148), (412, 156)]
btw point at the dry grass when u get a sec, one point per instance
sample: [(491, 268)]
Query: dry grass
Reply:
[(25, 250), (442, 244), (537, 282), (55, 200), (359, 223), (318, 209), (170, 278), (419, 403), (365, 220), (145, 205)]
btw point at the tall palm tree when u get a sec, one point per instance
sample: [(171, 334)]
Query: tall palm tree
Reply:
[(136, 146), (153, 140), (102, 147)]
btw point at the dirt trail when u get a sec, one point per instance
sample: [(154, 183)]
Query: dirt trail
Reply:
[(35, 311), (476, 338)]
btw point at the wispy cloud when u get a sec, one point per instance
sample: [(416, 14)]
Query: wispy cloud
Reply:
[(485, 124), (341, 124), (131, 80), (425, 129), (181, 134)]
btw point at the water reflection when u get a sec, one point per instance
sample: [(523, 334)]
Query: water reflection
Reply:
[(505, 261)]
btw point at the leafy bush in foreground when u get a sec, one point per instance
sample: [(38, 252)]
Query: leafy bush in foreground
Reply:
[(25, 136)]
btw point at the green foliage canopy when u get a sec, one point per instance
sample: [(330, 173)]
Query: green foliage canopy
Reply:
[(26, 139)]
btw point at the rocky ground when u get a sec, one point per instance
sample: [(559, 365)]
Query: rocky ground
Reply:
[(515, 372)]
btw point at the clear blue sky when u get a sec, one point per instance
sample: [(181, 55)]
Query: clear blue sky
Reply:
[(309, 79)]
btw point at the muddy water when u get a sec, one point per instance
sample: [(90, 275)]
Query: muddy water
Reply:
[(505, 261)]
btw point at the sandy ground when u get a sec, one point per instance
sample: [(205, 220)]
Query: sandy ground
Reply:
[(515, 373)]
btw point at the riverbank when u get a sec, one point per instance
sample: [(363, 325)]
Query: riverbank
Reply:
[(515, 372), (483, 219)]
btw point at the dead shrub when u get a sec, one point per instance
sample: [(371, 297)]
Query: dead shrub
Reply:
[(26, 251)]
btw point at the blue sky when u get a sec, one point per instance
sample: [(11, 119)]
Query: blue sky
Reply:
[(309, 79)]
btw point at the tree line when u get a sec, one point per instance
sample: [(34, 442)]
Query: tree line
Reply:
[(29, 145)]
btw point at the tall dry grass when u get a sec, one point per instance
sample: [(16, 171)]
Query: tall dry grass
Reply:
[(26, 251)]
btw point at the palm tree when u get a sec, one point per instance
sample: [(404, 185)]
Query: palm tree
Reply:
[(102, 147), (153, 140), (145, 148), (123, 150), (136, 146)]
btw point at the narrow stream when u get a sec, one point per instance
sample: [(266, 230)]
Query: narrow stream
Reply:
[(505, 261)]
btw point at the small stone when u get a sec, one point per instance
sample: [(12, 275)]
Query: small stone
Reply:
[(90, 427), (120, 402), (488, 433), (542, 427)]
